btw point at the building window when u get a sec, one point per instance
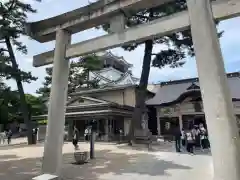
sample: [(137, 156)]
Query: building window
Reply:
[(167, 125)]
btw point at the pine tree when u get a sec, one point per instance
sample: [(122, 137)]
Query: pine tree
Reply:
[(78, 75), (4, 96), (12, 22), (10, 105), (178, 47)]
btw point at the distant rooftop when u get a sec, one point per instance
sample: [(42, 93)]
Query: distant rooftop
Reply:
[(170, 91), (180, 81)]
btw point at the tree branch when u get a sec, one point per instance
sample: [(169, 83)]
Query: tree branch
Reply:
[(8, 9), (3, 50), (11, 6)]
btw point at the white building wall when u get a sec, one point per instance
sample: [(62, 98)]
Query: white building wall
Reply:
[(126, 80), (112, 74)]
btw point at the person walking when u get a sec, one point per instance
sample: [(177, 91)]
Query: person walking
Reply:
[(190, 139), (183, 139), (75, 138), (177, 138), (9, 136), (203, 137), (197, 137)]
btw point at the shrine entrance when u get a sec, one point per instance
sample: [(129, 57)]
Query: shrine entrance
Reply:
[(190, 121)]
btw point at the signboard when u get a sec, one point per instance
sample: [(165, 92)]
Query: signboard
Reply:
[(169, 110), (167, 126)]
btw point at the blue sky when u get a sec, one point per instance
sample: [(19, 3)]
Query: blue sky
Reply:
[(230, 43)]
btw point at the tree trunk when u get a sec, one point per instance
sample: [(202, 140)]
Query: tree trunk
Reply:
[(4, 108), (141, 91), (23, 102)]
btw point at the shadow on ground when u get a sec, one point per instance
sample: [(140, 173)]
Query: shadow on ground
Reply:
[(112, 164), (22, 169), (163, 148), (106, 163)]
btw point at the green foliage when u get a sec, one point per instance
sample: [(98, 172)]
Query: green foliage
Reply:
[(178, 45), (13, 15), (78, 75), (42, 122), (36, 104), (10, 106)]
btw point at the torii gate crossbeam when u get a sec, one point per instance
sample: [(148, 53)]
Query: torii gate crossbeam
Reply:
[(216, 97), (93, 15), (160, 27)]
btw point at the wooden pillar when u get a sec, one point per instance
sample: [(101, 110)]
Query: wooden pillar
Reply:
[(158, 121), (106, 128), (180, 116)]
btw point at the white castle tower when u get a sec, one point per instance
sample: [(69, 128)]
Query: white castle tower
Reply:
[(116, 71)]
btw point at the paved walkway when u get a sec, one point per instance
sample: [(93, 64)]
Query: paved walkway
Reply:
[(113, 162), (15, 141)]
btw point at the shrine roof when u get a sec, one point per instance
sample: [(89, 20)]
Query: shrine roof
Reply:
[(170, 91)]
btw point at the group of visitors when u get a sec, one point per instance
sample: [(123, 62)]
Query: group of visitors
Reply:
[(6, 135), (195, 137)]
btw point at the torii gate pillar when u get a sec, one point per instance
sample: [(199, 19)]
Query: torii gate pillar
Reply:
[(52, 159), (217, 101)]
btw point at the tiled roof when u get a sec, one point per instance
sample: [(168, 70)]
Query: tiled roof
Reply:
[(170, 91), (104, 89)]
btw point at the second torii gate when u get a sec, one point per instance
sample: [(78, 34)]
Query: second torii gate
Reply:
[(200, 16)]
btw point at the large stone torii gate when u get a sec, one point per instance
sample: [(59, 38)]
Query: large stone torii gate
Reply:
[(217, 102)]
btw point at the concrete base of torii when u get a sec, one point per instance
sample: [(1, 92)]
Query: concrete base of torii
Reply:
[(217, 102)]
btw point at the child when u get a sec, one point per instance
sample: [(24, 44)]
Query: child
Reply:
[(190, 141), (183, 138)]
